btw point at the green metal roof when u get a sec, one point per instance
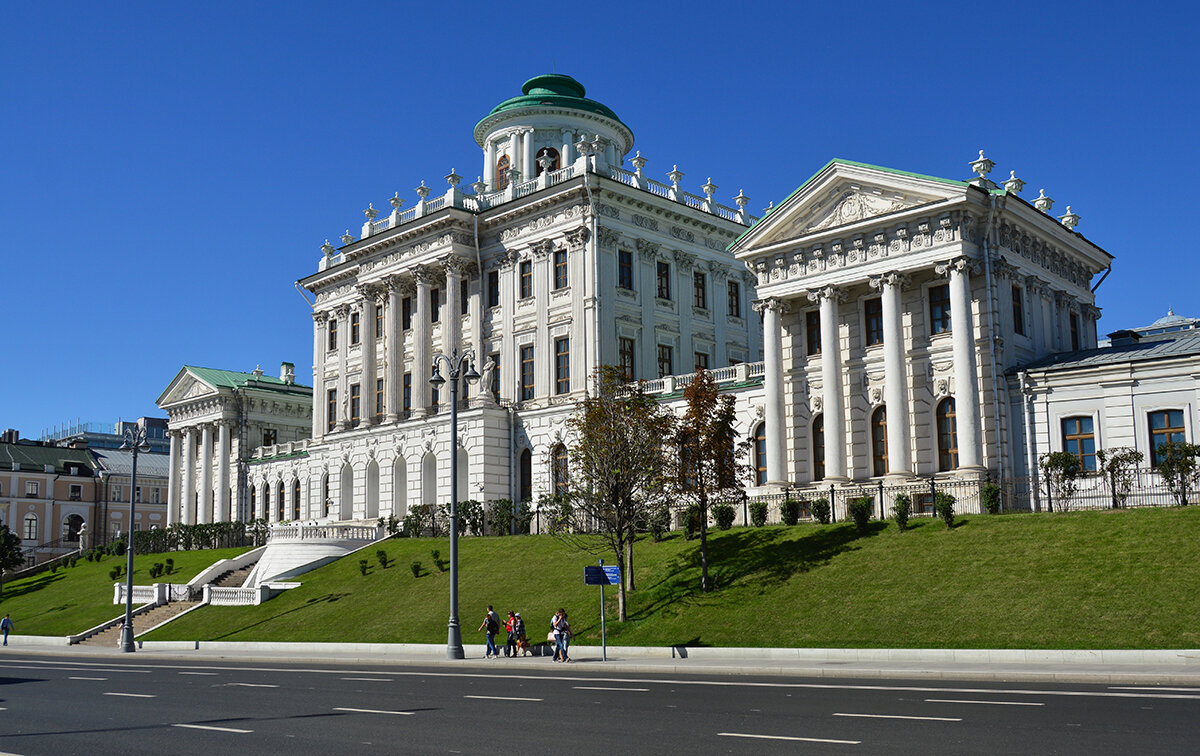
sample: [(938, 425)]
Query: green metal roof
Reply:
[(555, 91), (233, 379), (35, 458)]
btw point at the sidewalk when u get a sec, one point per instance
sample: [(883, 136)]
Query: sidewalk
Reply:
[(1180, 667)]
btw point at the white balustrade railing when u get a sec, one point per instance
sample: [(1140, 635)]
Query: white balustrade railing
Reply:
[(657, 188), (301, 532), (233, 596), (624, 176), (755, 370), (731, 374), (723, 375)]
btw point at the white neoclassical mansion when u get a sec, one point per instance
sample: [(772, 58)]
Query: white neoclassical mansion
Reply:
[(877, 325)]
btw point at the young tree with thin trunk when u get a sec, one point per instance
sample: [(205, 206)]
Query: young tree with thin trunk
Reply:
[(11, 555), (709, 462), (617, 469)]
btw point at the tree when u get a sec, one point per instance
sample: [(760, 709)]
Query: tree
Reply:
[(616, 472), (709, 461), (1060, 469), (11, 555), (1177, 466), (1120, 466)]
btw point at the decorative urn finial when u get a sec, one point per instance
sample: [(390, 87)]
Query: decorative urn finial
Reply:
[(327, 248), (1013, 185), (452, 178), (741, 200), (1042, 202), (422, 190), (371, 212), (479, 187), (674, 175), (709, 189), (347, 237), (1070, 219), (982, 166), (396, 201)]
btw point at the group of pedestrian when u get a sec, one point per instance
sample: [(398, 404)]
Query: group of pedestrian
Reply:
[(516, 643)]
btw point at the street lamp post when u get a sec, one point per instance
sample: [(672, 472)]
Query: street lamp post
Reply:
[(455, 365), (135, 441)]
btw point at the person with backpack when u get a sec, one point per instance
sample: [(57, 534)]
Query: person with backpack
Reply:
[(562, 636), (510, 641), (491, 625)]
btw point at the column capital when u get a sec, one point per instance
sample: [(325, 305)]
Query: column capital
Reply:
[(577, 237), (508, 259), (342, 311), (456, 266), (371, 291), (541, 249), (648, 250), (961, 264), (320, 317), (828, 292), (892, 278), (423, 275), (774, 304)]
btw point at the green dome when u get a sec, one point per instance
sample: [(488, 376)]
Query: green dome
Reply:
[(555, 91)]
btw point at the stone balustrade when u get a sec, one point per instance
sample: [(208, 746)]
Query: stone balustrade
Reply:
[(739, 373), (309, 533)]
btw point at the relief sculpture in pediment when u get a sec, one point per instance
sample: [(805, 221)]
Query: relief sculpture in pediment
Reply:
[(855, 207)]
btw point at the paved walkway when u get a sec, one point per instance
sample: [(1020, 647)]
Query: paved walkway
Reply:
[(1123, 667)]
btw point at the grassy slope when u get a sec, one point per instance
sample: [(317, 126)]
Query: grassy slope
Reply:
[(74, 599), (1086, 580)]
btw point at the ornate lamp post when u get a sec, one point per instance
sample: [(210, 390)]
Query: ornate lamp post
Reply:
[(135, 441), (455, 365)]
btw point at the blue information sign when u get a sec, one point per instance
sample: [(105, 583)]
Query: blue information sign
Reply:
[(597, 575)]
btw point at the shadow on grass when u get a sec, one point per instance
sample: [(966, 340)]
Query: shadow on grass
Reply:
[(33, 585), (328, 597)]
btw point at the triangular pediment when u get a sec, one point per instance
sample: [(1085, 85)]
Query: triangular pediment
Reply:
[(845, 194), (185, 387)]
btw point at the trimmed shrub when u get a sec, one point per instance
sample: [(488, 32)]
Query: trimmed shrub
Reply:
[(692, 521), (114, 573), (820, 510), (990, 496), (416, 569), (789, 511), (758, 514), (724, 514), (381, 555), (659, 523), (363, 566), (943, 504), (902, 510), (170, 565), (860, 511)]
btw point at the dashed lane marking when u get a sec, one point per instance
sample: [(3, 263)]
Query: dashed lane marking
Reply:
[(994, 703), (369, 679), (211, 727), (87, 678), (505, 698), (787, 737), (372, 711), (251, 685), (601, 687), (899, 716), (132, 695), (200, 673)]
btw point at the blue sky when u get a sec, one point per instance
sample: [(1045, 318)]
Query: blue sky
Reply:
[(169, 170)]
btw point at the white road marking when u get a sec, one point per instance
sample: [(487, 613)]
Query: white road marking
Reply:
[(372, 711), (600, 687), (898, 716), (787, 737), (252, 685), (1153, 687), (994, 703), (198, 673), (132, 695), (87, 678), (72, 669), (210, 727), (369, 679), (505, 698)]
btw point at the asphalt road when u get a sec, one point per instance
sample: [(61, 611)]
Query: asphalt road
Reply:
[(52, 705)]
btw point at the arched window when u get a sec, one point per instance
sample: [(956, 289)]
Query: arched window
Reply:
[(71, 527), (558, 469), (502, 166), (266, 502), (253, 503), (296, 499), (760, 454), (546, 152), (29, 531), (526, 466), (947, 435), (282, 502), (818, 447), (879, 441)]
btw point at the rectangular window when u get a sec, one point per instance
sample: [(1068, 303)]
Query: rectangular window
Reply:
[(625, 269), (378, 398), (331, 409), (355, 403), (29, 532), (155, 495), (526, 372), (1073, 319), (406, 310), (664, 361), (873, 320), (939, 309), (495, 357), (700, 290), (701, 362), (137, 495), (812, 332), (560, 269), (664, 280), (75, 492), (407, 393), (332, 334), (626, 349), (353, 328), (464, 291), (31, 488), (1018, 311), (524, 279), (435, 305), (493, 288), (1079, 439), (735, 299), (562, 366), (1165, 426), (378, 322), (269, 437), (118, 493)]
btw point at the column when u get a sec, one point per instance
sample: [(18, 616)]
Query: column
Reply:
[(489, 165), (566, 156), (966, 385), (367, 326), (451, 316), (509, 359), (585, 346), (422, 343), (318, 417), (188, 511), (719, 302), (647, 255), (772, 311), (343, 367), (527, 165), (393, 366), (686, 298), (543, 351), (831, 379), (173, 481), (895, 379), (514, 150), (205, 508), (224, 511)]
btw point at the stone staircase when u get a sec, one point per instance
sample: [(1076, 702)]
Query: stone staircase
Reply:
[(234, 578), (111, 636)]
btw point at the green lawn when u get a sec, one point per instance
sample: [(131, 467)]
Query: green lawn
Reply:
[(74, 599), (1084, 580)]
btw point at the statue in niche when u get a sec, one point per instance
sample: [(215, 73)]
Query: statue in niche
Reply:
[(485, 380)]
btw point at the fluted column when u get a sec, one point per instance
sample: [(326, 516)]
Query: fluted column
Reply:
[(224, 510), (204, 507), (489, 165), (320, 319), (393, 376), (894, 375), (173, 481), (831, 379), (565, 157), (188, 510), (514, 151), (720, 315), (343, 362), (367, 400), (422, 343), (452, 320), (772, 311), (543, 357), (966, 384), (527, 169), (509, 360)]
